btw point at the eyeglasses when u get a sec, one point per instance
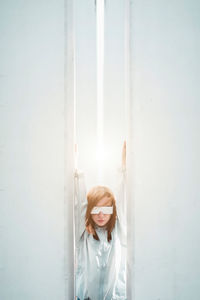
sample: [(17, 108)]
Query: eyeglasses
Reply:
[(107, 210)]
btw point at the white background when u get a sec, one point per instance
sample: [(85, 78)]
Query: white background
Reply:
[(35, 186)]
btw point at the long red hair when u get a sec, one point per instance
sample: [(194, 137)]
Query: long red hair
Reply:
[(93, 197)]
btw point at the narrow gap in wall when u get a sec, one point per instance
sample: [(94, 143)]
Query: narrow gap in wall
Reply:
[(100, 90)]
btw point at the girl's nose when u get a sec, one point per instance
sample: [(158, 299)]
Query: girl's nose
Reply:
[(100, 214)]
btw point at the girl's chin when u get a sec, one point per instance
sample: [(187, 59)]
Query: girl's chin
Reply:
[(101, 223)]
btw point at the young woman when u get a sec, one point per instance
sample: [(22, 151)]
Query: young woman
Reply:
[(100, 240)]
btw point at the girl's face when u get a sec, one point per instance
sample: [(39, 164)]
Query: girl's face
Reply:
[(101, 219)]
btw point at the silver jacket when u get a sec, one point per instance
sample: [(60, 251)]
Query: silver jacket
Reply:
[(100, 265)]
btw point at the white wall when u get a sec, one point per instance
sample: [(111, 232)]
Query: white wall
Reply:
[(165, 142), (32, 150)]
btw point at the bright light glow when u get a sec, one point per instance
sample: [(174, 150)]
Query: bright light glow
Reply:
[(100, 85), (100, 155)]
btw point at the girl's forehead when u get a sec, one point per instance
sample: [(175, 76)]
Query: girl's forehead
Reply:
[(105, 201)]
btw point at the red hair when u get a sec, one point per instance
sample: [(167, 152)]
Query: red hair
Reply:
[(93, 197)]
